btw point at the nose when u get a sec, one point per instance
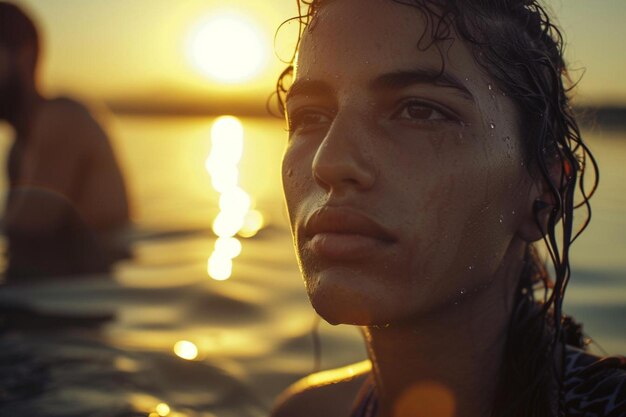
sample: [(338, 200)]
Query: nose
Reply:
[(343, 160)]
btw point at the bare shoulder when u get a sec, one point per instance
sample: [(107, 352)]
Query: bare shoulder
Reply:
[(63, 109), (66, 115), (328, 393), (65, 125)]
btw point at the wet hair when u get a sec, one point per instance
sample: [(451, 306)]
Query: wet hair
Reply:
[(17, 30), (519, 46)]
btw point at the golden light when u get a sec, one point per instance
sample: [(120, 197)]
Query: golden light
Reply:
[(163, 409), (235, 204), (426, 399), (219, 267), (227, 224), (228, 47), (186, 350), (223, 176), (228, 247), (252, 223), (227, 139)]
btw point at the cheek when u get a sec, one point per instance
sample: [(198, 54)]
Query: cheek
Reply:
[(491, 194), (455, 197), (295, 178)]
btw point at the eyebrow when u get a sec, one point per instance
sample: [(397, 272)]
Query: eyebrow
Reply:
[(309, 87), (402, 79), (390, 81)]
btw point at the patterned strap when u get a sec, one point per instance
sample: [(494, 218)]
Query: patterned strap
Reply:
[(594, 387), (366, 404)]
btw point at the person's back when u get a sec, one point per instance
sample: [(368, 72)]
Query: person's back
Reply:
[(67, 195), (67, 198)]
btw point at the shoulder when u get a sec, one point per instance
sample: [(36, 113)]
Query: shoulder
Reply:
[(328, 393), (66, 113), (62, 107), (66, 121), (594, 386)]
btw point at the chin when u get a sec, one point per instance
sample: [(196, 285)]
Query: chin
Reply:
[(342, 314), (338, 305)]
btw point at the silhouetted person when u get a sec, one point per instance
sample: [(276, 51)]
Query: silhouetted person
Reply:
[(67, 197)]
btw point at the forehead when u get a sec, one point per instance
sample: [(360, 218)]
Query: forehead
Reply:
[(359, 38)]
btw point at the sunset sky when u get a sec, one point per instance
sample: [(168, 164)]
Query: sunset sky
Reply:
[(138, 50)]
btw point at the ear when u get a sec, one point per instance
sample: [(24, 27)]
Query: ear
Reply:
[(541, 201)]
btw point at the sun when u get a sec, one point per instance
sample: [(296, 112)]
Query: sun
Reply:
[(228, 47)]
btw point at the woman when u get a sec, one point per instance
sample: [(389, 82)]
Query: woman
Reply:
[(431, 146)]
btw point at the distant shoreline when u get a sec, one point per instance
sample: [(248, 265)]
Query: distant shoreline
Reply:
[(606, 117), (253, 108)]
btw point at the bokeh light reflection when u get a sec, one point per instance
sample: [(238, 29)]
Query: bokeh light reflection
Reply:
[(186, 350), (219, 267), (252, 223), (235, 216), (162, 409)]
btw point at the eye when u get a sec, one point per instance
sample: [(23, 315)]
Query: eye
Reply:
[(308, 119), (418, 111)]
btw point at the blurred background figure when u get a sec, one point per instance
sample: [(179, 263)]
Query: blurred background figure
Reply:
[(67, 197)]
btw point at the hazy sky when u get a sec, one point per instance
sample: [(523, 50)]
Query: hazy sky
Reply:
[(136, 48)]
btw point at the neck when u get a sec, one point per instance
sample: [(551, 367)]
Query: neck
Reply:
[(448, 363), (24, 110), (27, 111)]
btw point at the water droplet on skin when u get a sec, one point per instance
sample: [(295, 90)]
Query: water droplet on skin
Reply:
[(490, 87), (290, 173), (460, 138), (471, 267), (463, 291), (513, 212), (367, 62), (501, 218), (509, 146), (492, 125)]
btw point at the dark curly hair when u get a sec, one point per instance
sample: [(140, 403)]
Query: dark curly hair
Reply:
[(517, 43)]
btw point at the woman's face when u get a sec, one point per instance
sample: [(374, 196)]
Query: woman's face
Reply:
[(404, 192)]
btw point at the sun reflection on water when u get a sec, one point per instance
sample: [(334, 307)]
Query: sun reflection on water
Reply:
[(236, 215), (186, 350), (162, 409)]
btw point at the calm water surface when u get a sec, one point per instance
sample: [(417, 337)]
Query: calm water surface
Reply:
[(106, 347)]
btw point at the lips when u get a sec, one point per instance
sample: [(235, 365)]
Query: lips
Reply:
[(344, 233)]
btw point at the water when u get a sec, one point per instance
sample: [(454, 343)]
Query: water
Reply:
[(105, 347)]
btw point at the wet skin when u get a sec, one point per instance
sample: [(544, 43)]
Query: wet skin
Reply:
[(418, 184)]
